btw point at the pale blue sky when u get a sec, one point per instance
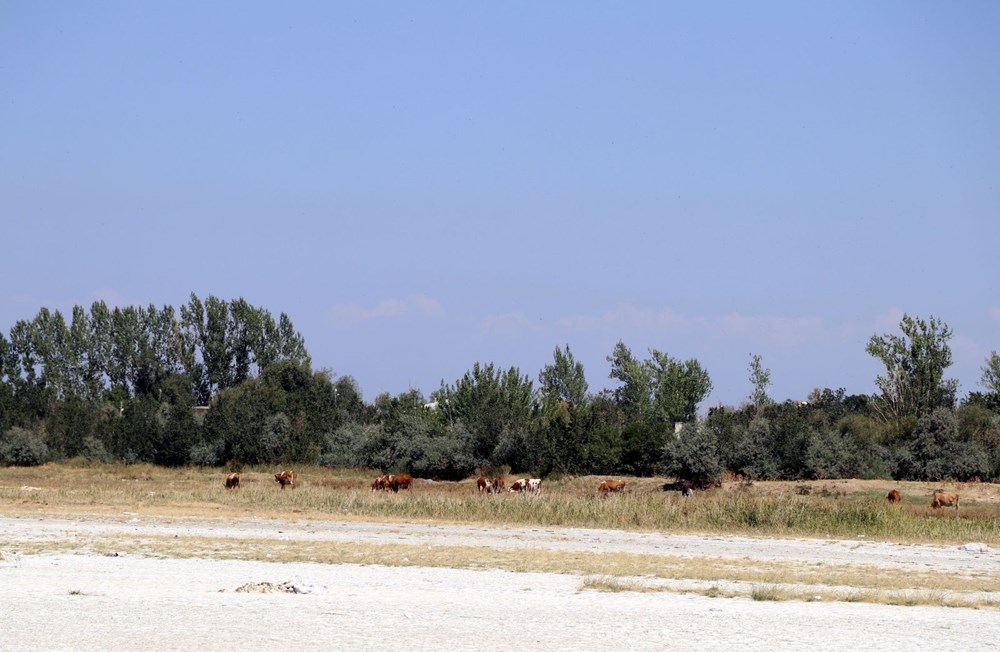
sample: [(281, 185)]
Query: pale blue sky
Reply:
[(422, 186)]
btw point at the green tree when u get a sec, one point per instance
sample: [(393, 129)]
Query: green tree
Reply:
[(677, 387), (915, 363), (760, 379), (214, 348), (561, 441), (634, 395), (991, 373), (179, 431), (489, 402), (564, 379)]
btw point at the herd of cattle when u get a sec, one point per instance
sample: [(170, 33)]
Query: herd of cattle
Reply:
[(496, 485)]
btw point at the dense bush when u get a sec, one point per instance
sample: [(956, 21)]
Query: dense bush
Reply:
[(833, 453), (751, 455), (21, 447), (93, 449), (937, 452), (207, 453), (693, 454)]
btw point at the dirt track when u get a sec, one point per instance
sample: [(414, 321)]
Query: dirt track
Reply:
[(88, 602)]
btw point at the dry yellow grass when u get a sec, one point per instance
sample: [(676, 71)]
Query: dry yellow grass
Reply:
[(833, 508)]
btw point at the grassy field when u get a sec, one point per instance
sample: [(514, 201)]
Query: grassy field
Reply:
[(831, 508)]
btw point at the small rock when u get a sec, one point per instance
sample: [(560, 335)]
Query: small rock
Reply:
[(976, 547)]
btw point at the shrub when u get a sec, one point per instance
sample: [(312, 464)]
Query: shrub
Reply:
[(207, 453), (751, 455), (92, 448), (830, 454), (838, 454), (371, 446), (937, 453), (694, 455), (20, 447), (275, 436)]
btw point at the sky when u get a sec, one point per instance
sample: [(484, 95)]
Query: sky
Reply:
[(424, 186)]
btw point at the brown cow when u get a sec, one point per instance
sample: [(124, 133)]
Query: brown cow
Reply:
[(400, 481), (286, 477), (944, 499), (893, 497), (381, 483), (498, 485), (233, 481), (611, 486), (485, 485)]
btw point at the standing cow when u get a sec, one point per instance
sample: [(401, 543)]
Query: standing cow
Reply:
[(611, 486), (893, 497), (286, 477), (400, 481), (233, 481), (944, 499), (519, 486)]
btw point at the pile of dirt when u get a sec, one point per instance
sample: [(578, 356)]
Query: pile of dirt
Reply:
[(271, 587), (266, 587)]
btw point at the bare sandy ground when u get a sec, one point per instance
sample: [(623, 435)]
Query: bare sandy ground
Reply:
[(132, 602)]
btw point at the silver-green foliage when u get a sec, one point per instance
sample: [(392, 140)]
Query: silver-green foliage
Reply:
[(22, 447)]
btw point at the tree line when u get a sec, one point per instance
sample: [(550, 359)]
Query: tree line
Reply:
[(224, 383)]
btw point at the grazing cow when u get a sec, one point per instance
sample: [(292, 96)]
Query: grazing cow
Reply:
[(519, 486), (535, 485), (944, 499), (893, 497), (498, 484), (381, 483), (686, 487), (401, 481), (611, 486), (286, 477), (233, 481), (485, 485)]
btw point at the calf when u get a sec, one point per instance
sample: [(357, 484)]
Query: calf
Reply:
[(285, 477), (233, 481), (611, 486), (944, 499), (893, 497)]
